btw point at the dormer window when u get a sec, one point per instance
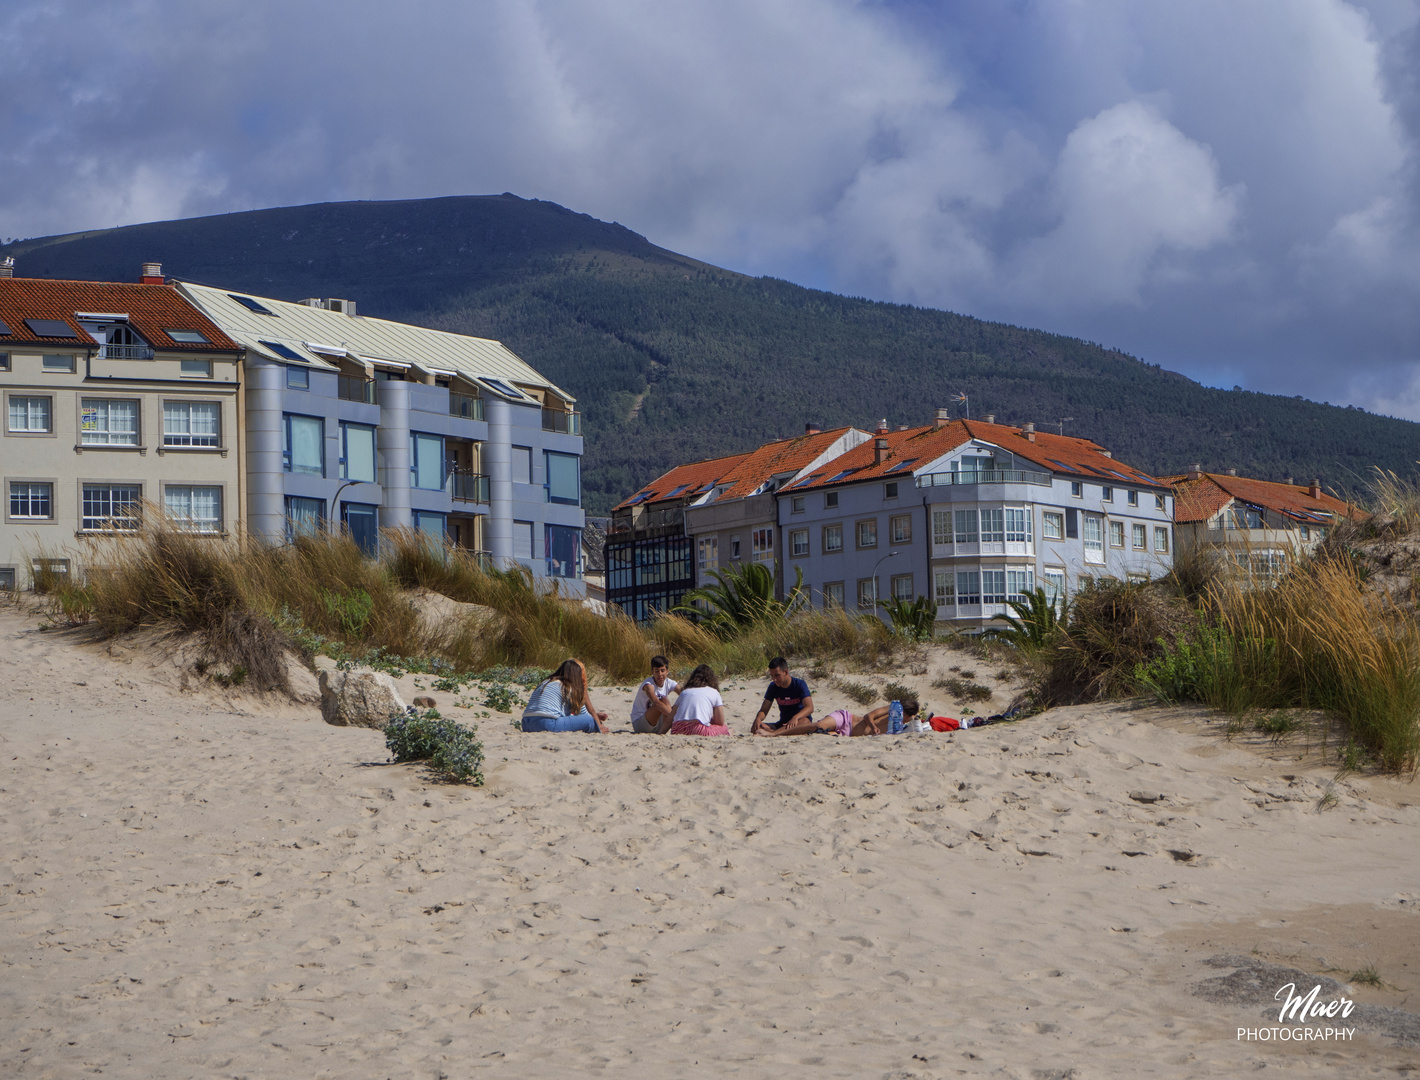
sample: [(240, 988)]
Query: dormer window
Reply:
[(121, 342)]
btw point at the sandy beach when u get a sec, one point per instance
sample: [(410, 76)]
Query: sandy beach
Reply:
[(204, 883)]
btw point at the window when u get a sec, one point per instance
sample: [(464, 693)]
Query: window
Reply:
[(7, 578), (1132, 498), (944, 588), (833, 594), (1072, 524), (1267, 565), (1019, 582), (58, 362), (966, 526), (941, 527), (968, 587), (993, 586), (900, 528), (196, 369), (1107, 494), (190, 423), (363, 526), (108, 423), (1116, 534), (1161, 539), (993, 528), (761, 543), (1094, 539), (1245, 517), (252, 305), (522, 464), (1306, 532), (890, 490), (426, 466), (564, 479), (709, 550), (431, 523), (867, 598), (304, 517), (562, 547), (1052, 526), (52, 566), (830, 500), (1018, 530), (197, 508), (34, 501), (1055, 587), (902, 587), (868, 533), (357, 453), (1158, 502), (1140, 537), (734, 547), (111, 507), (522, 539), (187, 337), (832, 538), (31, 414), (5, 366), (305, 445), (298, 378), (799, 543), (796, 504), (1077, 489)]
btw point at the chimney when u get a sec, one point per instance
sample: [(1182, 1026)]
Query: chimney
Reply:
[(901, 427), (880, 451), (1107, 453), (1195, 472), (1288, 481), (7, 266), (1315, 490), (990, 418), (941, 419), (882, 427), (1232, 472), (811, 428), (152, 274), (1029, 431)]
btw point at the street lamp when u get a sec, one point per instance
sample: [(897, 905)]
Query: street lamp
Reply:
[(334, 502), (885, 558)]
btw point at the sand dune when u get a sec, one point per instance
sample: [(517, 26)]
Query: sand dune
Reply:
[(204, 885)]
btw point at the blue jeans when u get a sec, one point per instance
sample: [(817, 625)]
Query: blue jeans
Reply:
[(582, 721)]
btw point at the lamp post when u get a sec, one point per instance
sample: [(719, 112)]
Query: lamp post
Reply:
[(885, 558)]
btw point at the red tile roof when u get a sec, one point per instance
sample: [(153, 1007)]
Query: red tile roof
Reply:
[(152, 310), (1199, 499), (772, 459), (687, 478)]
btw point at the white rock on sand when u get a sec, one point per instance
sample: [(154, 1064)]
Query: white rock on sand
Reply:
[(198, 885)]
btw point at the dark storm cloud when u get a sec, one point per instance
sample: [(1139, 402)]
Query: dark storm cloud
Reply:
[(1228, 189)]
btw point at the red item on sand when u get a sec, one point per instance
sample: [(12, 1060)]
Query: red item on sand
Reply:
[(943, 723)]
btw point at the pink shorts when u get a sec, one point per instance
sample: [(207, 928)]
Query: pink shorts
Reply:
[(695, 727), (843, 719)]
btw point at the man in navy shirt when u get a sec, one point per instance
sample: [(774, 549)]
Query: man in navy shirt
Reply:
[(791, 694)]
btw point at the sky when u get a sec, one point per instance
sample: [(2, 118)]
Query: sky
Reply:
[(1231, 190)]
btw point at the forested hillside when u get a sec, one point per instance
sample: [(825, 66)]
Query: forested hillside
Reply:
[(673, 359)]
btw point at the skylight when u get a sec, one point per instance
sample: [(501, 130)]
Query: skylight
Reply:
[(840, 476), (677, 491), (252, 305), (50, 328), (502, 388), (1062, 465), (187, 337), (903, 465), (282, 350), (3, 328)]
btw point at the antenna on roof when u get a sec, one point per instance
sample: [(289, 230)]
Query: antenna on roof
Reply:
[(965, 404), (1065, 420)]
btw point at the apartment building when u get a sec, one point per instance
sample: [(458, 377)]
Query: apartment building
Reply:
[(973, 514), (379, 424), (1260, 525), (115, 395)]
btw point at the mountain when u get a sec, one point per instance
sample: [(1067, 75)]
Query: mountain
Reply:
[(673, 359)]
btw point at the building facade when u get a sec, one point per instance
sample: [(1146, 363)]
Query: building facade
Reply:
[(379, 425), (116, 397)]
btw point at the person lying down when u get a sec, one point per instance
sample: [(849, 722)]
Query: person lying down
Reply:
[(843, 722)]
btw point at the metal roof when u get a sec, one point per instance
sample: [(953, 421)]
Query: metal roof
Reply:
[(305, 330)]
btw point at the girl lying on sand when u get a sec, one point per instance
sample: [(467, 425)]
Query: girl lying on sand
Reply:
[(843, 722)]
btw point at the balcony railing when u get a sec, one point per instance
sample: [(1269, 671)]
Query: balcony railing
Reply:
[(126, 352), (470, 487), (466, 406), (985, 476), (566, 423), (354, 388)]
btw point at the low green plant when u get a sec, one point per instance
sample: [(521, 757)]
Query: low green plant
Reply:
[(896, 691), (450, 748), (962, 689), (500, 695), (350, 610), (1277, 724), (861, 693)]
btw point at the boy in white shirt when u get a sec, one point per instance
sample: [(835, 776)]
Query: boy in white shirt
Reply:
[(651, 711)]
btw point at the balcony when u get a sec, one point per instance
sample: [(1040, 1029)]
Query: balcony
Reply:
[(468, 407), (354, 388), (638, 523), (564, 423), (470, 487), (126, 352), (985, 476)]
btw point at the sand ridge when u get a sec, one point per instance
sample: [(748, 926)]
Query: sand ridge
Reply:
[(193, 886)]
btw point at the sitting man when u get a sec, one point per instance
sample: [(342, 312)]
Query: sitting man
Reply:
[(843, 722), (652, 712), (791, 694)]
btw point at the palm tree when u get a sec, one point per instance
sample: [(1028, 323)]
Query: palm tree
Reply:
[(913, 619), (1036, 621), (742, 596)]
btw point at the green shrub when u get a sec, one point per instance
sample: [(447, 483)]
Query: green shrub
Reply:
[(448, 746), (963, 689), (913, 619), (861, 693)]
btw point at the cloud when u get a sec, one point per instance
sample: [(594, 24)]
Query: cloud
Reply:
[(1229, 189)]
